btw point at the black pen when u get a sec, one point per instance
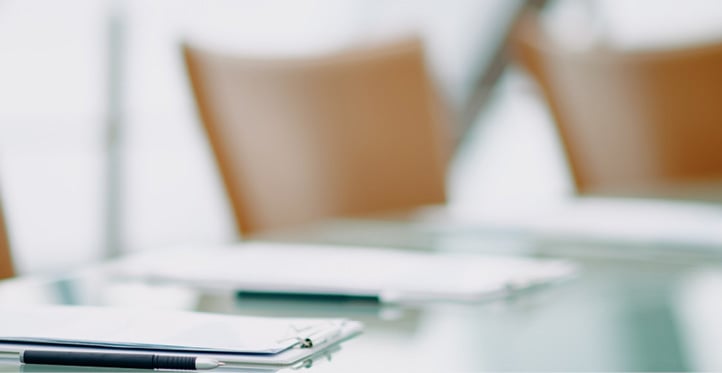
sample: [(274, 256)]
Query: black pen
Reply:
[(117, 360)]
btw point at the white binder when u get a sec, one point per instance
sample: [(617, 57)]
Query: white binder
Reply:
[(391, 275)]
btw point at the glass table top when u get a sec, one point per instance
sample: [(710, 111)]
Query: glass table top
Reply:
[(636, 312)]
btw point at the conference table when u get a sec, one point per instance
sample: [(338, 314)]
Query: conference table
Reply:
[(629, 309)]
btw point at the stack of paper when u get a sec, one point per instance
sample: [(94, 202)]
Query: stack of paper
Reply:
[(230, 339), (388, 274)]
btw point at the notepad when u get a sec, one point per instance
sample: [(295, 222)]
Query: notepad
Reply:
[(228, 338), (391, 275)]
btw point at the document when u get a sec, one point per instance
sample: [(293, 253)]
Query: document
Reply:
[(228, 338), (391, 275)]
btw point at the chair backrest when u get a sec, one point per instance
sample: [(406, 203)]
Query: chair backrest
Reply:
[(301, 140), (6, 264), (631, 122)]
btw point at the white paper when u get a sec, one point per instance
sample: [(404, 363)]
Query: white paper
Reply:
[(155, 329)]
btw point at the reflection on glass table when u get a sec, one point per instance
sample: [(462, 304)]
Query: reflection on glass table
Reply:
[(634, 315)]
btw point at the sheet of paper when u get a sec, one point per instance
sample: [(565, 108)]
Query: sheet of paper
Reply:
[(155, 329)]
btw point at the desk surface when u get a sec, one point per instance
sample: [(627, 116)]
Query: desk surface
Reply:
[(640, 313)]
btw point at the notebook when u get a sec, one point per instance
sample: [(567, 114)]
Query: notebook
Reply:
[(227, 338), (391, 275)]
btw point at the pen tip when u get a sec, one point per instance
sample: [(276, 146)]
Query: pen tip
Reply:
[(204, 363)]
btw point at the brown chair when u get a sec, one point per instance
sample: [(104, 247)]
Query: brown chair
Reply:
[(300, 140), (6, 264), (645, 123)]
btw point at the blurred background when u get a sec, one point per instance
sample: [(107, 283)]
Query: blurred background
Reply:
[(84, 79)]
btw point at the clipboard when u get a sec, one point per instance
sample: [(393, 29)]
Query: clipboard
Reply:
[(227, 338)]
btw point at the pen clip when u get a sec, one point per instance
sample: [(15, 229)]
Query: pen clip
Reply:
[(315, 335), (320, 336)]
